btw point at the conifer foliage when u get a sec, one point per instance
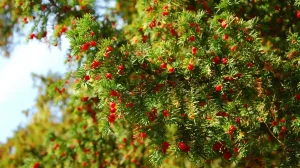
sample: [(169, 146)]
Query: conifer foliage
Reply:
[(213, 82)]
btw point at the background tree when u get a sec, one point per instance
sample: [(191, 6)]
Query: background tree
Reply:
[(202, 80)]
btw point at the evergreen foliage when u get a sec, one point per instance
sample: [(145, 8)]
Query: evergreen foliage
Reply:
[(214, 83)]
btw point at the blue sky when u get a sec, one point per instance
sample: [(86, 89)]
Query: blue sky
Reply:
[(16, 86)]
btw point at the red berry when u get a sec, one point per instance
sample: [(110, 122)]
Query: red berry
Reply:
[(238, 75), (250, 64), (298, 96), (298, 14), (85, 46), (36, 165), (111, 117), (120, 67), (112, 104), (163, 65), (190, 67), (95, 64), (84, 99), (233, 48), (232, 128), (182, 146), (224, 96), (217, 146), (113, 110), (114, 93), (108, 76), (166, 113), (218, 88), (84, 163), (238, 120), (283, 129), (143, 135), (44, 34), (109, 49), (106, 54), (170, 59), (93, 43), (64, 29), (172, 31), (224, 24), (226, 37), (192, 38), (216, 60), (63, 154), (227, 155), (224, 61), (86, 77), (172, 70), (25, 20), (236, 149), (165, 146), (226, 77), (202, 104), (293, 41), (55, 146), (194, 50), (149, 9), (165, 13), (32, 36), (44, 7)]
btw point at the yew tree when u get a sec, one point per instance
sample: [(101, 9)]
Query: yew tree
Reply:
[(184, 83)]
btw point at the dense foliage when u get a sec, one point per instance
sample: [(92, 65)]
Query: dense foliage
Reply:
[(214, 83)]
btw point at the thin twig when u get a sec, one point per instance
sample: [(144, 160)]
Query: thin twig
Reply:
[(281, 143)]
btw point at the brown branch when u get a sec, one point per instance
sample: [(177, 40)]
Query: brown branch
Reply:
[(281, 143)]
